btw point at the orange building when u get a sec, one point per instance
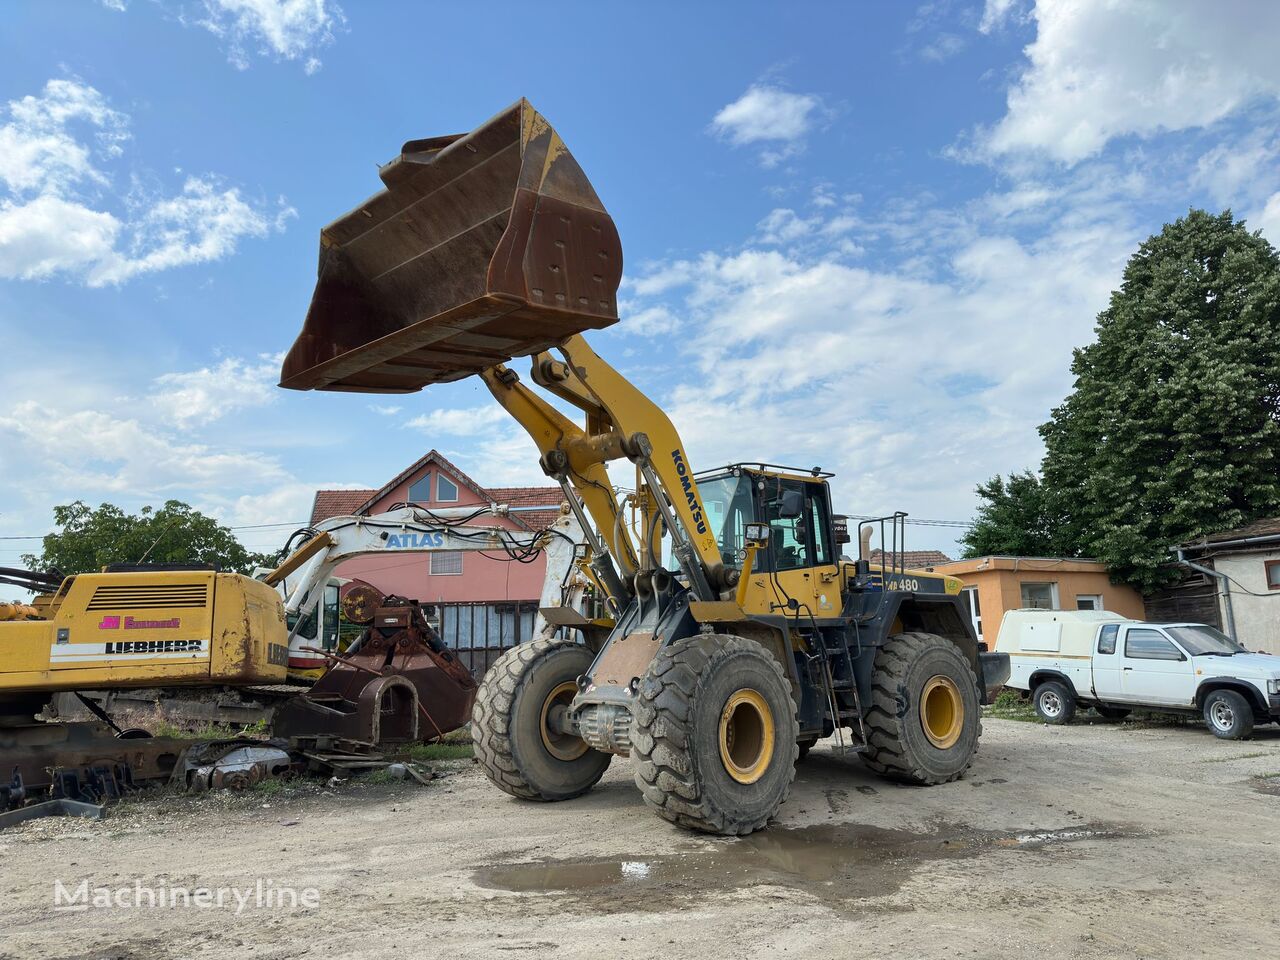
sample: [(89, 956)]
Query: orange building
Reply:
[(993, 585)]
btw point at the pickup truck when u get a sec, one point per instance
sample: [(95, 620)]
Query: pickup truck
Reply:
[(1069, 658)]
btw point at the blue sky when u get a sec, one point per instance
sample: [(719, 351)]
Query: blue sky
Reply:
[(865, 236)]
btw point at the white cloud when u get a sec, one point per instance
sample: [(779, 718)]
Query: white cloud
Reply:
[(286, 29), (386, 410), (997, 13), (914, 382), (198, 397), (768, 115), (1101, 69), (784, 226), (54, 216), (458, 422), (1268, 221)]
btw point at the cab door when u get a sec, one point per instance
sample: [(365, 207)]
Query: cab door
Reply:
[(801, 553), (1153, 669), (1106, 665)]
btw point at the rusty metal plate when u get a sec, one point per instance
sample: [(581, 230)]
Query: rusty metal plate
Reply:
[(483, 247), (626, 658)]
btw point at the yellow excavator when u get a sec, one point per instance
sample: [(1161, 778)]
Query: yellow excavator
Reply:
[(741, 635)]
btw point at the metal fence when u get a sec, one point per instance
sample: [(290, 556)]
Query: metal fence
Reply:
[(480, 632)]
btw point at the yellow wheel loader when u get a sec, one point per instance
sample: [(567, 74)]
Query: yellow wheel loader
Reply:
[(741, 634)]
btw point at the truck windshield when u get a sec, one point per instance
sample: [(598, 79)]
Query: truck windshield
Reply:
[(727, 501), (1201, 640)]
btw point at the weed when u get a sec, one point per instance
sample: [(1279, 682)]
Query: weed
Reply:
[(448, 750), (1009, 705)]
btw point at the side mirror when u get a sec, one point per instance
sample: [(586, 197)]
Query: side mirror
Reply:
[(790, 505)]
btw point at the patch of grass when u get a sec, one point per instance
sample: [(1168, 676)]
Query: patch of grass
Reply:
[(203, 731), (1241, 756), (1009, 705), (448, 750), (273, 786)]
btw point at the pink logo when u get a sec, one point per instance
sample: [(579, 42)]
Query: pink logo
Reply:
[(109, 623)]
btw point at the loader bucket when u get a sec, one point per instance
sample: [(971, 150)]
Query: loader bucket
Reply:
[(483, 247)]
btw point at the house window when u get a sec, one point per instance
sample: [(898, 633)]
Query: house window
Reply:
[(1088, 601), (446, 563), (446, 489), (1273, 574), (1040, 596), (972, 603), (420, 490)]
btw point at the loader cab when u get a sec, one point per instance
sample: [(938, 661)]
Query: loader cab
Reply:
[(796, 506)]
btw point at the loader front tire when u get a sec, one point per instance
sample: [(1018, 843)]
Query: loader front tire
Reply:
[(714, 735), (514, 745), (923, 723)]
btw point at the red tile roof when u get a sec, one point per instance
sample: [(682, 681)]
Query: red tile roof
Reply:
[(912, 559), (550, 497), (337, 503)]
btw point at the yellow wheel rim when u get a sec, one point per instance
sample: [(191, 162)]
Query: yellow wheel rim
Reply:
[(747, 735), (941, 712), (562, 746)]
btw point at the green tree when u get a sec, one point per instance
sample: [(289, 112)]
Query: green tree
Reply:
[(89, 539), (1173, 428), (1013, 519)]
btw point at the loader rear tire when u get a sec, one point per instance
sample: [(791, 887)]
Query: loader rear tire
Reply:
[(924, 721), (714, 735), (516, 749)]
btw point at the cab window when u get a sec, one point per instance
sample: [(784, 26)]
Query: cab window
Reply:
[(799, 521), (1149, 645), (1107, 638)]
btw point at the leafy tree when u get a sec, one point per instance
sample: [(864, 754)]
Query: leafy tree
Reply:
[(90, 539), (1173, 428), (1013, 519)]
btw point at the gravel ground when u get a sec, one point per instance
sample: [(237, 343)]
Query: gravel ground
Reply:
[(1087, 841)]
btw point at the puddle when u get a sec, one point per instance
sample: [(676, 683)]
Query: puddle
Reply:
[(1270, 786), (856, 861)]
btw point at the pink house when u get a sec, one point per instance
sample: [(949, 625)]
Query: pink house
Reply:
[(483, 604)]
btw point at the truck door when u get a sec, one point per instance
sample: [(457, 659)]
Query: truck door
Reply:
[(1154, 670), (1106, 665)]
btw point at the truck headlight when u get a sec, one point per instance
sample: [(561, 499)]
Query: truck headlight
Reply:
[(1273, 687)]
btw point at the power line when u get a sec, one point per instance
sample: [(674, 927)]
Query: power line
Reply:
[(963, 524), (245, 526)]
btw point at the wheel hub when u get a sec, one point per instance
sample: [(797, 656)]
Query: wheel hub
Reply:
[(941, 711), (562, 746), (747, 735), (1223, 716)]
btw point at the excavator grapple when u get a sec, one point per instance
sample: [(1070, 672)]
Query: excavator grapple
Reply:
[(482, 247)]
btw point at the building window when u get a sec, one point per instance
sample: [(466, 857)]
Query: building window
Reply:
[(446, 489), (1088, 601), (446, 563), (972, 603), (1273, 574), (1040, 596), (420, 490)]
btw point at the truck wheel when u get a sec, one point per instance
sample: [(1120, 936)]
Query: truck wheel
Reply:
[(516, 748), (1111, 713), (1054, 703), (1228, 714), (923, 722), (714, 741)]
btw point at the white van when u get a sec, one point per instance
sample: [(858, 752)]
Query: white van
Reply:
[(1093, 658)]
